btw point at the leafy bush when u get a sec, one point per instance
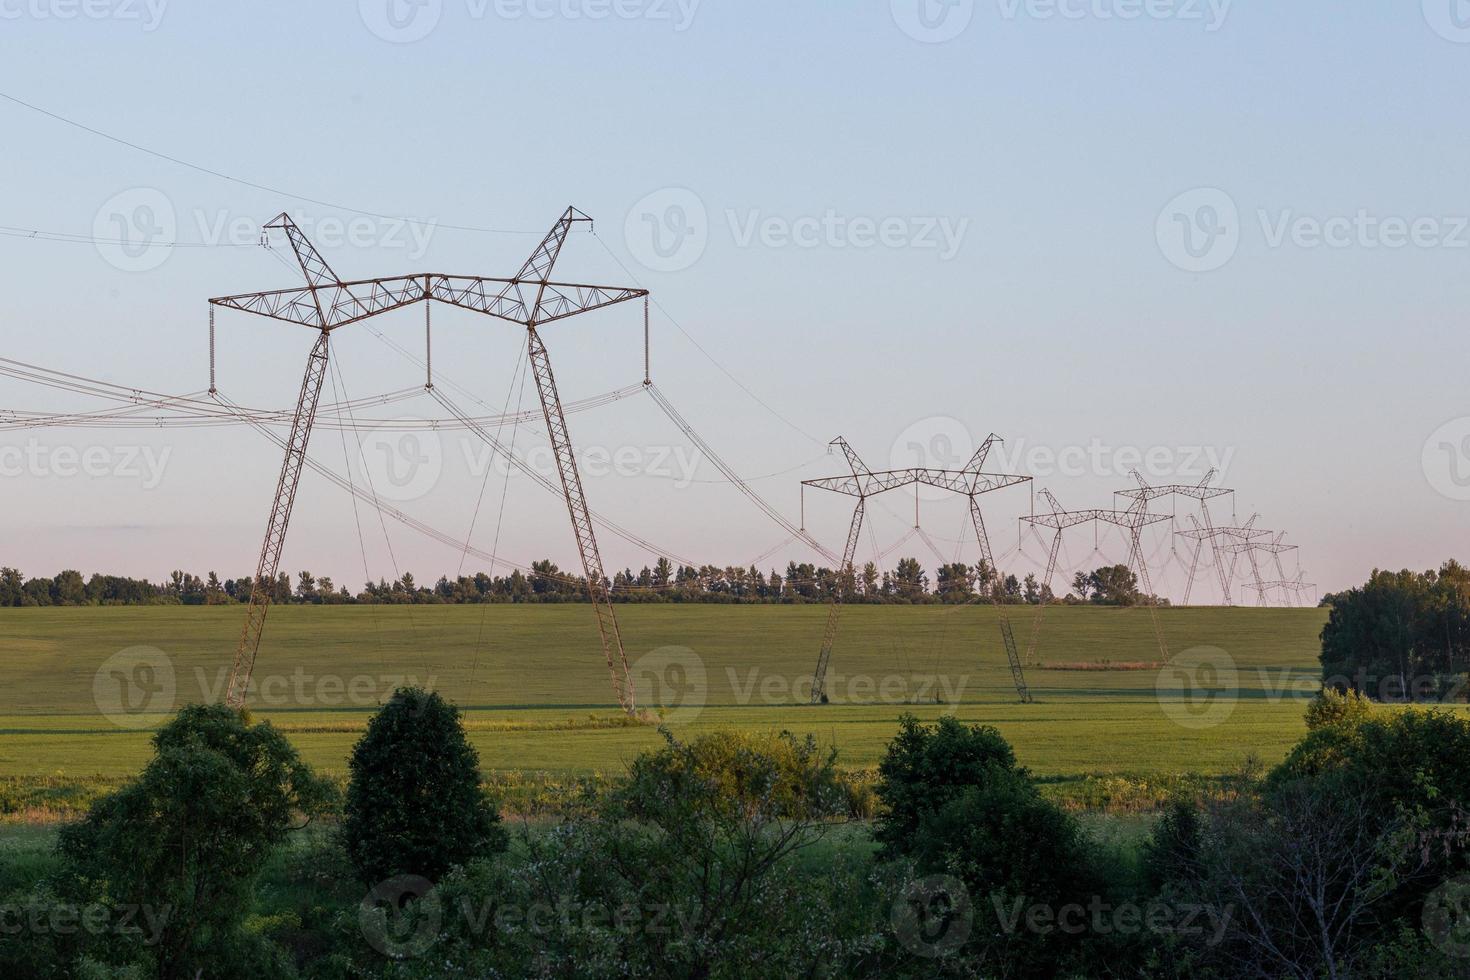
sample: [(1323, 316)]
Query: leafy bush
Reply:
[(414, 803), (184, 843), (1332, 707), (925, 767)]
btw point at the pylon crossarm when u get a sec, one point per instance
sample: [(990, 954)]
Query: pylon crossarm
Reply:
[(280, 517), (336, 304)]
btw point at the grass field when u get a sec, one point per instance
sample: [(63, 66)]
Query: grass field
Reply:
[(537, 697)]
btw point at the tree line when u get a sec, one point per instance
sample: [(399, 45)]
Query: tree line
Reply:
[(907, 583)]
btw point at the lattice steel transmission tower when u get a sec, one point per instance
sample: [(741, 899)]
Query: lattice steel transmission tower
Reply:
[(1235, 535), (1133, 520), (1143, 495), (1253, 547), (864, 483), (530, 300)]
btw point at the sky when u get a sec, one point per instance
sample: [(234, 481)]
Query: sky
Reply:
[(1164, 234)]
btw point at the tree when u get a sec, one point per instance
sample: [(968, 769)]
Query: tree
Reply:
[(1400, 636), (926, 767), (1114, 585), (191, 835), (910, 581), (414, 803)]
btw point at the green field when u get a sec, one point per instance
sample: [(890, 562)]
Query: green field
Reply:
[(537, 696)]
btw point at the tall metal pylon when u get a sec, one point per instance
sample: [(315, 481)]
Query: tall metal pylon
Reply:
[(1143, 495), (1200, 534), (864, 483), (1133, 520), (530, 299)]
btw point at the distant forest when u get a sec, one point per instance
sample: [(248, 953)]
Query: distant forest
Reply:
[(906, 583)]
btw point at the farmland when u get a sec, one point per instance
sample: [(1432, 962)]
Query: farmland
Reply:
[(536, 694)]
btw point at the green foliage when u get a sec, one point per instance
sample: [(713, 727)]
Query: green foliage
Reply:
[(1014, 851), (1173, 850), (925, 767), (184, 843), (415, 805), (1332, 707), (1401, 636)]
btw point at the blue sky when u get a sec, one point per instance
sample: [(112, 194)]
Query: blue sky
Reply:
[(1102, 229)]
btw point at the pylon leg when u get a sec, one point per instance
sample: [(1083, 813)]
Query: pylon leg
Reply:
[(1051, 567), (571, 484), (275, 530), (834, 606), (1007, 634)]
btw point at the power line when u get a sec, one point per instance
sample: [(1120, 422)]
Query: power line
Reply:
[(251, 183)]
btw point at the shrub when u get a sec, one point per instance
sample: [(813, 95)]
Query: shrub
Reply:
[(1331, 707), (414, 802), (926, 767), (186, 841)]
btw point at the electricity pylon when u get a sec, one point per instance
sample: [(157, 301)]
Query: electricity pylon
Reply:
[(1143, 494), (1200, 534), (530, 299), (864, 483), (1275, 548), (1133, 520)]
